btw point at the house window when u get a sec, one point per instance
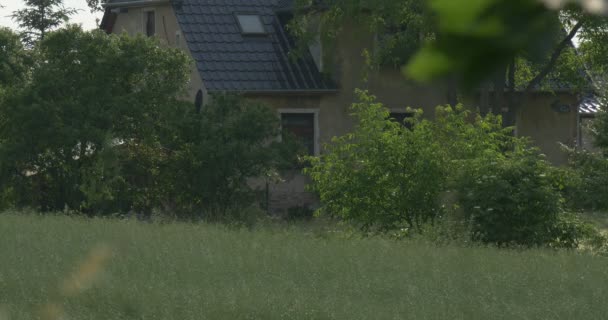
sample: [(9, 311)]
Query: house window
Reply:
[(401, 117), (251, 24), (150, 23), (301, 126)]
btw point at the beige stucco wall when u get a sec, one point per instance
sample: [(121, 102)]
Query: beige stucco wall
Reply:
[(547, 127), (543, 124), (349, 69), (167, 31)]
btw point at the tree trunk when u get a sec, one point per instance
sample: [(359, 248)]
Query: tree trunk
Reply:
[(535, 82)]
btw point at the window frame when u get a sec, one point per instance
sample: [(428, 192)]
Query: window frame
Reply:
[(315, 112), (408, 112), (245, 33)]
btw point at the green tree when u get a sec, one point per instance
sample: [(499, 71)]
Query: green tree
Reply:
[(96, 5), (89, 94), (41, 16), (14, 59), (216, 155)]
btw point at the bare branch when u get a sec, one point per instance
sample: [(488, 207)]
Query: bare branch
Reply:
[(554, 57)]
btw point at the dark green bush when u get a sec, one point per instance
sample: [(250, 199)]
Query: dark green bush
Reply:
[(61, 126), (584, 183), (220, 150), (299, 213), (511, 199), (600, 127), (122, 141)]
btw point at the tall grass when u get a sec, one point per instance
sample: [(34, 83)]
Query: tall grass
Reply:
[(72, 268)]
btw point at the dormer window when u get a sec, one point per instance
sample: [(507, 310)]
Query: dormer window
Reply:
[(251, 24)]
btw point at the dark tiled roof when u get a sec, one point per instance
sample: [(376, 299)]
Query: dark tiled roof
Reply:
[(230, 61)]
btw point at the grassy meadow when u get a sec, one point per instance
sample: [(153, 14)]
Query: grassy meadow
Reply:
[(76, 268)]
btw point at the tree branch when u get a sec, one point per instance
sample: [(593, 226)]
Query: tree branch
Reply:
[(556, 54)]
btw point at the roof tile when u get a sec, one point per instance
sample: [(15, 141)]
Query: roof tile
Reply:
[(231, 61)]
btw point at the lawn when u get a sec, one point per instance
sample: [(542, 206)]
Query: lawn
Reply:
[(72, 268)]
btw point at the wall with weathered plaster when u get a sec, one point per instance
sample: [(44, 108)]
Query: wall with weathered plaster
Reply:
[(167, 31), (547, 127)]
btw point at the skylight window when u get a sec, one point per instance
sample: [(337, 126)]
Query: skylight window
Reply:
[(251, 24)]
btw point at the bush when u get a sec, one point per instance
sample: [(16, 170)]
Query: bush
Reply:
[(122, 141), (220, 150), (388, 178), (511, 199), (570, 231), (584, 183), (383, 176), (299, 213), (600, 127)]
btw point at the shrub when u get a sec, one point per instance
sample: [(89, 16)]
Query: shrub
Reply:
[(570, 231), (584, 183), (299, 213), (599, 127), (122, 141), (220, 150), (511, 199), (388, 178), (383, 176)]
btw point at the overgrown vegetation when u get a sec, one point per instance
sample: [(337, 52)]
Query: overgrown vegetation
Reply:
[(386, 177), (584, 182), (382, 176), (95, 124), (511, 199)]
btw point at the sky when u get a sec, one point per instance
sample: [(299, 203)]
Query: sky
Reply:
[(83, 17)]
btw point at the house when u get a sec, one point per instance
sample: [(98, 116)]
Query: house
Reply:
[(243, 46)]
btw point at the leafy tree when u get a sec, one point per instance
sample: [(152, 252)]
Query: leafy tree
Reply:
[(14, 59), (96, 5), (99, 127), (41, 16), (216, 155), (88, 93)]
